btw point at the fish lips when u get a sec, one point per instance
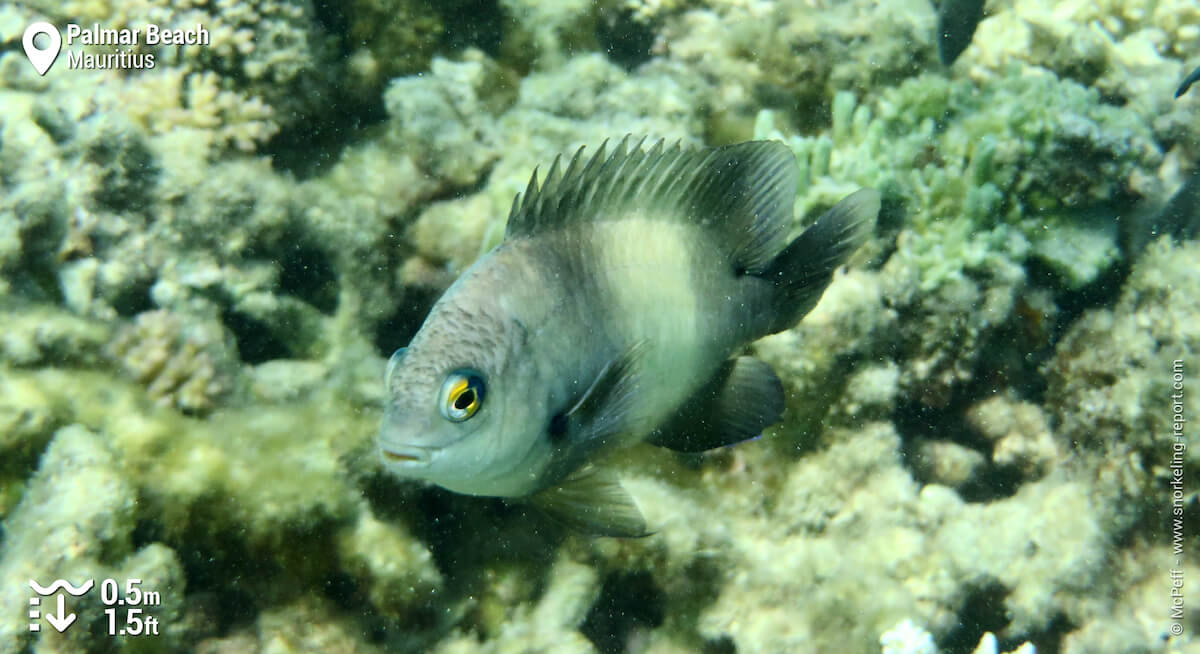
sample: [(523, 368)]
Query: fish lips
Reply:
[(410, 457), (406, 456), (397, 447)]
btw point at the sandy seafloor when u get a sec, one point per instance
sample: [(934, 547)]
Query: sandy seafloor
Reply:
[(204, 266)]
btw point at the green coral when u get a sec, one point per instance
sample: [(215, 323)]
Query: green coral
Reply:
[(398, 35), (998, 168)]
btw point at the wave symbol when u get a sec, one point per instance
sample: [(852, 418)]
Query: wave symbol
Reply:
[(61, 584)]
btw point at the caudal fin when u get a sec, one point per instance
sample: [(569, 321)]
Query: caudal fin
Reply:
[(805, 267)]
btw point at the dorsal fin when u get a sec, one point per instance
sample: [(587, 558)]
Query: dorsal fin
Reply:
[(743, 193)]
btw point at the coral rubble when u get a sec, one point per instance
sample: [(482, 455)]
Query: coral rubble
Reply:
[(204, 265)]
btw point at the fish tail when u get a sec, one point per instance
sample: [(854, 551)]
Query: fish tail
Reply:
[(802, 270)]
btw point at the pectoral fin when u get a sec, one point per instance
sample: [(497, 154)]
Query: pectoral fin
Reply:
[(605, 408), (593, 502), (741, 400)]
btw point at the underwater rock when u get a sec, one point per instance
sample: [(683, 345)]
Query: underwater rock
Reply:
[(943, 345), (281, 380), (947, 463), (396, 37), (1128, 620), (874, 391), (545, 34), (1115, 377), (457, 150), (1019, 433), (396, 569), (75, 522), (39, 335), (545, 627), (269, 64), (454, 231), (310, 217), (1078, 254), (309, 624), (907, 638), (28, 418)]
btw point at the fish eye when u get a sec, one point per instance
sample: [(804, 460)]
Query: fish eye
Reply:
[(393, 363), (462, 395)]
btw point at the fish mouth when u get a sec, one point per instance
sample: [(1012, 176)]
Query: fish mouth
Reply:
[(406, 456)]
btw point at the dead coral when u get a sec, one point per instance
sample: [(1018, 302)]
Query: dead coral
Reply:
[(185, 365), (1019, 432)]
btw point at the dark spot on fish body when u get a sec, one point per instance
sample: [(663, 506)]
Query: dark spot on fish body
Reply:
[(558, 427)]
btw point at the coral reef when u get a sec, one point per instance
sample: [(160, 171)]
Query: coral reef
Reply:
[(1019, 434), (184, 366), (204, 265), (75, 521), (908, 638), (1116, 379)]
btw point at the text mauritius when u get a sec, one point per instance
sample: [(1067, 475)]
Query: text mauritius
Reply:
[(127, 58)]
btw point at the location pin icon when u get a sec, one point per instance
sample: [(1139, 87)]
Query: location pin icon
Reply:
[(42, 58)]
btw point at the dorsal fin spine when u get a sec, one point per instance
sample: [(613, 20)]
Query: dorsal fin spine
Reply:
[(622, 186), (573, 172), (657, 160), (610, 175), (672, 179), (742, 195), (582, 194), (530, 197), (671, 175)]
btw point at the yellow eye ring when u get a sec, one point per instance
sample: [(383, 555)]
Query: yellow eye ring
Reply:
[(461, 396)]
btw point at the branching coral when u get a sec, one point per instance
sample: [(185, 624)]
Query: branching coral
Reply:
[(265, 65), (184, 364), (130, 202)]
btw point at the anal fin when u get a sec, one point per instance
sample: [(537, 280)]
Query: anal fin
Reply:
[(741, 399), (592, 501)]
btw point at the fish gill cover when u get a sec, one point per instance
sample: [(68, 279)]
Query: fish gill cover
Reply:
[(205, 264)]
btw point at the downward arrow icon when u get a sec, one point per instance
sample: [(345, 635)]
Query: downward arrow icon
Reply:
[(61, 620)]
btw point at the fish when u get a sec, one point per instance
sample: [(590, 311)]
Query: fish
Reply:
[(1192, 78), (957, 20), (615, 310), (1179, 218)]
